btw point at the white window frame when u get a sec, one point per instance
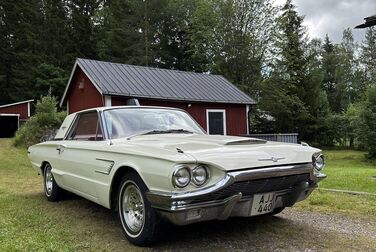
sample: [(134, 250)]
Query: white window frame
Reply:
[(223, 111)]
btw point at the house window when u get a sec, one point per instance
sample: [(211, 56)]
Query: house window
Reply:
[(216, 121)]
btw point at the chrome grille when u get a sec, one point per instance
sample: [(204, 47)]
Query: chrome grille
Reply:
[(251, 187)]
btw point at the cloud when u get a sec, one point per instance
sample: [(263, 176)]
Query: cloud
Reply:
[(333, 16)]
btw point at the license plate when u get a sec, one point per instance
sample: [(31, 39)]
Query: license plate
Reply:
[(262, 203)]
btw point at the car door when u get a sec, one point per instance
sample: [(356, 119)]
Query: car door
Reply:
[(78, 153)]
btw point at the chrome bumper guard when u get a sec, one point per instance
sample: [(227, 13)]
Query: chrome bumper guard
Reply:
[(185, 208)]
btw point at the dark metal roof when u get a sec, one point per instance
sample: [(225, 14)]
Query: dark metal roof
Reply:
[(369, 21), (147, 82)]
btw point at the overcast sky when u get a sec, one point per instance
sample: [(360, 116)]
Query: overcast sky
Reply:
[(332, 16)]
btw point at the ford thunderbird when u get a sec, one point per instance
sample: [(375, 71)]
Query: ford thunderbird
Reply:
[(154, 164)]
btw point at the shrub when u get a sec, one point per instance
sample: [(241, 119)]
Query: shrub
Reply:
[(45, 121)]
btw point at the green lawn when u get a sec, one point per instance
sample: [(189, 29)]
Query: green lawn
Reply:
[(349, 170), (28, 222)]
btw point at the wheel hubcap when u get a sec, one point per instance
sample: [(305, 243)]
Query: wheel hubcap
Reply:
[(49, 181), (133, 208)]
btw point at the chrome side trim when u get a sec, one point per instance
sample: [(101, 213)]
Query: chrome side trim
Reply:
[(270, 172), (108, 169)]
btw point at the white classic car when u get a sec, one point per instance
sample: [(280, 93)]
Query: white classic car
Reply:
[(152, 164)]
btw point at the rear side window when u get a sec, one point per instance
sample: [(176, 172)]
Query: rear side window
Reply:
[(86, 128)]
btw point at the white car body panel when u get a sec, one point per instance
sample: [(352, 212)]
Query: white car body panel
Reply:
[(87, 168)]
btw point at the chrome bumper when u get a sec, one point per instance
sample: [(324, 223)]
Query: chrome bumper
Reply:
[(190, 207)]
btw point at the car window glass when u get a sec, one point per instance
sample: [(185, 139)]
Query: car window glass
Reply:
[(87, 128), (127, 122)]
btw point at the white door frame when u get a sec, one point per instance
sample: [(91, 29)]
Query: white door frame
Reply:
[(18, 118), (223, 111)]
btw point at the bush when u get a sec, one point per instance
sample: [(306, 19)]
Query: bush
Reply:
[(45, 122)]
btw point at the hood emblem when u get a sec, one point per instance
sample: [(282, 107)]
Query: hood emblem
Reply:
[(274, 159)]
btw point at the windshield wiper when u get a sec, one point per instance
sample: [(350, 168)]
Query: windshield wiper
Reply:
[(170, 131)]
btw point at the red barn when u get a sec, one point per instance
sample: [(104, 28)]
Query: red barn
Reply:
[(216, 104), (12, 115)]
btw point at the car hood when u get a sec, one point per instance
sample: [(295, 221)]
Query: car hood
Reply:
[(227, 152)]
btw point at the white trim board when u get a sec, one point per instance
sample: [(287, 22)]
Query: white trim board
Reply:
[(10, 115), (247, 108), (107, 101), (223, 111), (16, 103)]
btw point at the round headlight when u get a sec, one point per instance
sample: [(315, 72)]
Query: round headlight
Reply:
[(319, 162), (200, 175), (181, 177)]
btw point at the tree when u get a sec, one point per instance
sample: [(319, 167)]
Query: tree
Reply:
[(330, 73), (56, 40), (368, 54), (367, 122), (24, 23), (130, 31), (287, 90), (81, 27), (234, 38), (350, 82), (51, 79)]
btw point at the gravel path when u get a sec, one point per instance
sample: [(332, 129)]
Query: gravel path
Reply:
[(291, 230), (351, 226)]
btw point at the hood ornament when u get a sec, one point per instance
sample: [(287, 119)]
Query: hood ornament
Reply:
[(274, 159)]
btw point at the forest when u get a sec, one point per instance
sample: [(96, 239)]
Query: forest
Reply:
[(324, 91)]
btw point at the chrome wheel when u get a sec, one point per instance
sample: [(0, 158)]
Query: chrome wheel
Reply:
[(49, 180), (133, 208), (140, 223)]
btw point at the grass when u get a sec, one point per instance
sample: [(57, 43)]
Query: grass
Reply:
[(352, 205), (30, 223), (349, 170)]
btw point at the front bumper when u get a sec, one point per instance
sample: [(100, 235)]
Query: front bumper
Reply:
[(233, 195)]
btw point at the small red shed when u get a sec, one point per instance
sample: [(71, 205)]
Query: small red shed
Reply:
[(12, 115), (216, 104)]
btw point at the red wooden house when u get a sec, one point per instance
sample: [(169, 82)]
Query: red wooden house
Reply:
[(12, 115), (216, 104)]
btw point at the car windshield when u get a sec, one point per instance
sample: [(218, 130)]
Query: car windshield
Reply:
[(129, 122)]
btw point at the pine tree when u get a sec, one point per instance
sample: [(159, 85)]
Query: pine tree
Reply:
[(81, 14), (130, 31), (24, 37), (288, 92)]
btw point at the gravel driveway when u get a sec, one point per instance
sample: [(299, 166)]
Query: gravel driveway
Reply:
[(343, 225), (291, 230)]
